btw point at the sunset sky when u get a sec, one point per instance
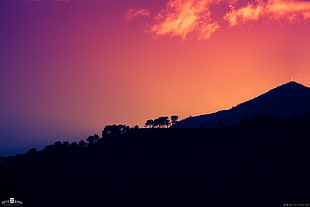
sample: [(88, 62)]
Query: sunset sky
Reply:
[(70, 67)]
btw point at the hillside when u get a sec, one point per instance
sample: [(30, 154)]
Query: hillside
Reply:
[(261, 161), (286, 101), (264, 165)]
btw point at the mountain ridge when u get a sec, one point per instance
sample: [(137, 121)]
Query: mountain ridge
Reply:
[(285, 101)]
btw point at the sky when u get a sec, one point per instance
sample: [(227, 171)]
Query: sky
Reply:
[(70, 67)]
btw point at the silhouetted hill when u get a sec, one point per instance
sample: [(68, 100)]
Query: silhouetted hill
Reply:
[(263, 161), (245, 165), (286, 101)]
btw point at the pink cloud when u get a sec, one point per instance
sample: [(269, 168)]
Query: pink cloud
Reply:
[(196, 17), (274, 9), (133, 13), (181, 17)]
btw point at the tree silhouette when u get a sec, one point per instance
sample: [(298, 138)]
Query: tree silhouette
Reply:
[(65, 144), (115, 130), (161, 122), (32, 151), (123, 128), (164, 121), (156, 123), (149, 123), (82, 143), (93, 139), (73, 145), (58, 145), (174, 119), (110, 130)]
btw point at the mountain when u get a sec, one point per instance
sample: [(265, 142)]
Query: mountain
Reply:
[(286, 101)]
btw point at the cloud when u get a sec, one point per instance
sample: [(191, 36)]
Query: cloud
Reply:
[(306, 15), (202, 18), (248, 13), (182, 17), (133, 13), (271, 10)]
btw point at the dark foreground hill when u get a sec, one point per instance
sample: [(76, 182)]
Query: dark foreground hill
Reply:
[(255, 164), (286, 101)]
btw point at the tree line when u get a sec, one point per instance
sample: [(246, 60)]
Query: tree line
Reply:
[(110, 131), (161, 122)]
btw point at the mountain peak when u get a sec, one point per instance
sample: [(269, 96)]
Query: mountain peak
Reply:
[(289, 88), (285, 101), (293, 84)]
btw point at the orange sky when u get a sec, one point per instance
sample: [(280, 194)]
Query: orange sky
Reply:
[(70, 68)]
